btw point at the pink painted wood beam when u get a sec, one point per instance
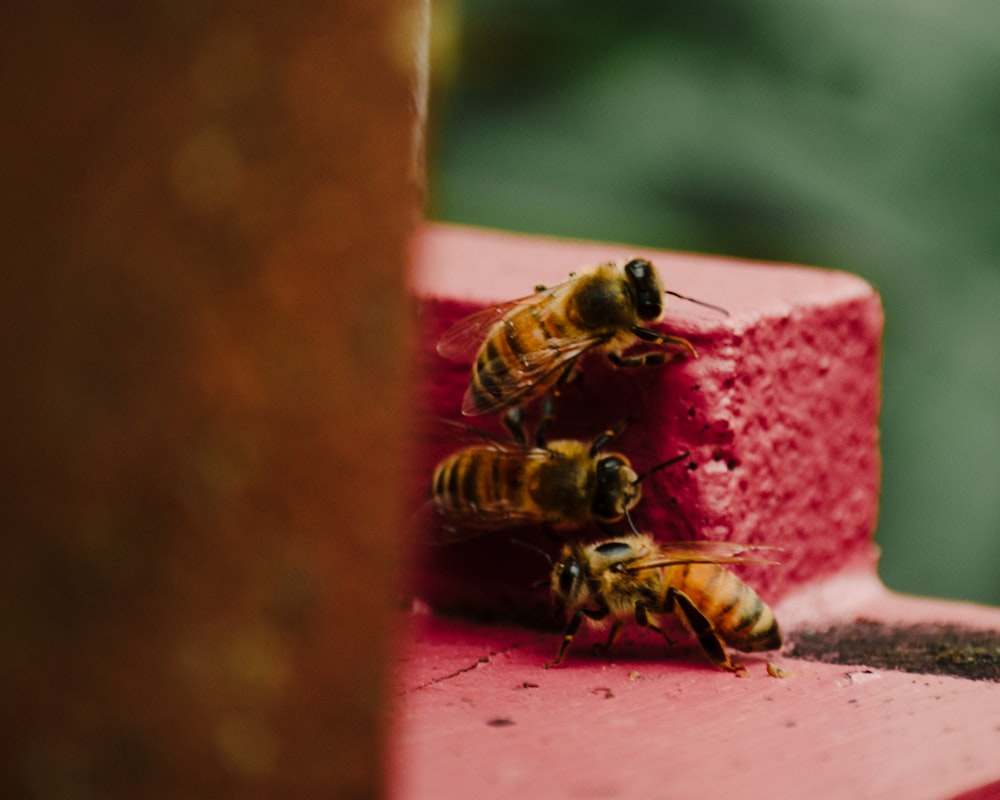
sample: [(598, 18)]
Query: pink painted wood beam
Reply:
[(780, 414), (779, 411), (477, 716)]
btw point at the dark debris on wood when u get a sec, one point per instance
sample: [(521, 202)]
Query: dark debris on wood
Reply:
[(934, 649)]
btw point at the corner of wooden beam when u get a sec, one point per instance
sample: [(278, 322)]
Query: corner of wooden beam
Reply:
[(780, 413)]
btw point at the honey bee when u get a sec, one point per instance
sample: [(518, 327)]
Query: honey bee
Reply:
[(562, 484), (525, 347), (635, 577)]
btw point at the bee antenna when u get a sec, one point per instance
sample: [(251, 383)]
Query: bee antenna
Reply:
[(720, 309), (643, 475), (533, 547), (631, 524)]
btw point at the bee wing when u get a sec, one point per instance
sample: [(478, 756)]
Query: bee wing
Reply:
[(465, 434), (431, 528), (459, 529), (672, 553), (521, 380), (462, 340)]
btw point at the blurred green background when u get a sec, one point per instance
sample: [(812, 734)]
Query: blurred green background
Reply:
[(848, 134)]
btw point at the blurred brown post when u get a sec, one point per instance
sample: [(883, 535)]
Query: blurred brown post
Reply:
[(205, 209)]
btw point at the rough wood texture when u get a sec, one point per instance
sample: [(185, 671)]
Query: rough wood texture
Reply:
[(205, 209), (477, 716)]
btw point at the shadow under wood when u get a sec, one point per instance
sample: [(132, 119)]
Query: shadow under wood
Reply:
[(926, 648)]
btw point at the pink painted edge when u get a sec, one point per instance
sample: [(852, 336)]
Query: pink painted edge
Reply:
[(477, 716), (856, 592), (717, 279)]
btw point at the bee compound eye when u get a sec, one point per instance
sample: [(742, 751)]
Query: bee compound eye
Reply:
[(638, 268), (569, 574), (608, 492), (646, 285), (608, 467)]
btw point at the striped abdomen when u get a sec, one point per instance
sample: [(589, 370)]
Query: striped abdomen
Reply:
[(523, 356), (484, 486), (736, 612)]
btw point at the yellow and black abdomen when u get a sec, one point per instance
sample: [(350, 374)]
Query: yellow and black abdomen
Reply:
[(519, 360), (484, 487), (736, 612)]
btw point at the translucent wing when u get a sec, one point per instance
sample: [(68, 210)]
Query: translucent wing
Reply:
[(462, 340), (428, 527), (458, 529), (671, 553), (527, 377), (463, 433)]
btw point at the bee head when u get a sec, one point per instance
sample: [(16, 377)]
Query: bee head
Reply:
[(616, 489), (646, 288)]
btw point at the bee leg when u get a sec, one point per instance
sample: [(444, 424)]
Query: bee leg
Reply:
[(571, 630), (548, 413), (699, 625), (636, 361), (567, 375), (604, 439), (642, 619), (599, 648), (548, 406), (651, 359), (674, 342), (513, 421)]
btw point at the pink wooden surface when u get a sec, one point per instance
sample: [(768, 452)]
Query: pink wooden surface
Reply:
[(779, 411), (477, 716)]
